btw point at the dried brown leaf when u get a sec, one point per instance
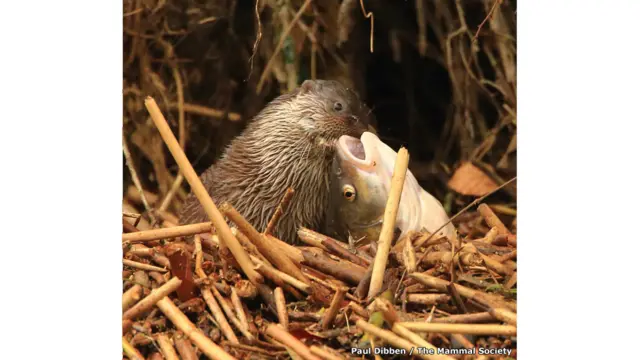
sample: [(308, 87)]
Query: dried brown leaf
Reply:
[(469, 180)]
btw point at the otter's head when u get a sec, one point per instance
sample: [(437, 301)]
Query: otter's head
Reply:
[(327, 110)]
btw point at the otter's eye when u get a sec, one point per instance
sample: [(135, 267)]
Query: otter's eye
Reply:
[(349, 193), (337, 106)]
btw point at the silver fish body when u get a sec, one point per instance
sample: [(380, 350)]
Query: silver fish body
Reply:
[(360, 182)]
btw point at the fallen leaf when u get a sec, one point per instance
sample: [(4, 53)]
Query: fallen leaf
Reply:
[(180, 260), (469, 180)]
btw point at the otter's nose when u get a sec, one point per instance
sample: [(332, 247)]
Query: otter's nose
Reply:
[(358, 125)]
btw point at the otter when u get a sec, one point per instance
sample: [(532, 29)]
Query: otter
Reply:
[(290, 143)]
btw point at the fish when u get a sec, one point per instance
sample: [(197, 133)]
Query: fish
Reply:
[(360, 181)]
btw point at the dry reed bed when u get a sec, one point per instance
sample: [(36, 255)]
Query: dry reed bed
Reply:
[(238, 293), (220, 292)]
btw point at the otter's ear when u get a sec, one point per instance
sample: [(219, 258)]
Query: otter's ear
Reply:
[(307, 86)]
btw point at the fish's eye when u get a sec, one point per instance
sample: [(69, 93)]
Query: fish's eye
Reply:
[(349, 193), (337, 106)]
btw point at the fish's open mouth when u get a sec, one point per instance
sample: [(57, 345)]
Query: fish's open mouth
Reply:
[(356, 150), (355, 147)]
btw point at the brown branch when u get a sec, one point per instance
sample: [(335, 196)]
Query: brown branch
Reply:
[(512, 240), (131, 296), (333, 284), (131, 215), (175, 71), (209, 299), (223, 324), (500, 268), (142, 266), (281, 335), (247, 244), (207, 111), (201, 193), (161, 259), (503, 209), (456, 298), (166, 347), (292, 252), (363, 286), (282, 207), (167, 233), (197, 242), (442, 286), (196, 335), (368, 15), (155, 255), (237, 304), (389, 221), (136, 179), (253, 349), (390, 338), (131, 352), (508, 256), (151, 299), (304, 316), (184, 347), (472, 329), (466, 258), (386, 308), (418, 340), (428, 299), (426, 240), (227, 310), (356, 308), (127, 227), (497, 266), (342, 270), (330, 314), (134, 195), (281, 306), (473, 203), (264, 291), (465, 318), (158, 277), (504, 316), (310, 239), (490, 236), (212, 290), (171, 193), (409, 257), (511, 281), (280, 278), (493, 8), (266, 248), (331, 245), (492, 219), (140, 250), (126, 325), (258, 37)]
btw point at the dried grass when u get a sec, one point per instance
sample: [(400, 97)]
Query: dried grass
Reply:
[(202, 62)]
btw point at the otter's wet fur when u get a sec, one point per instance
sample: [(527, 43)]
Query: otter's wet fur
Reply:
[(290, 143)]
